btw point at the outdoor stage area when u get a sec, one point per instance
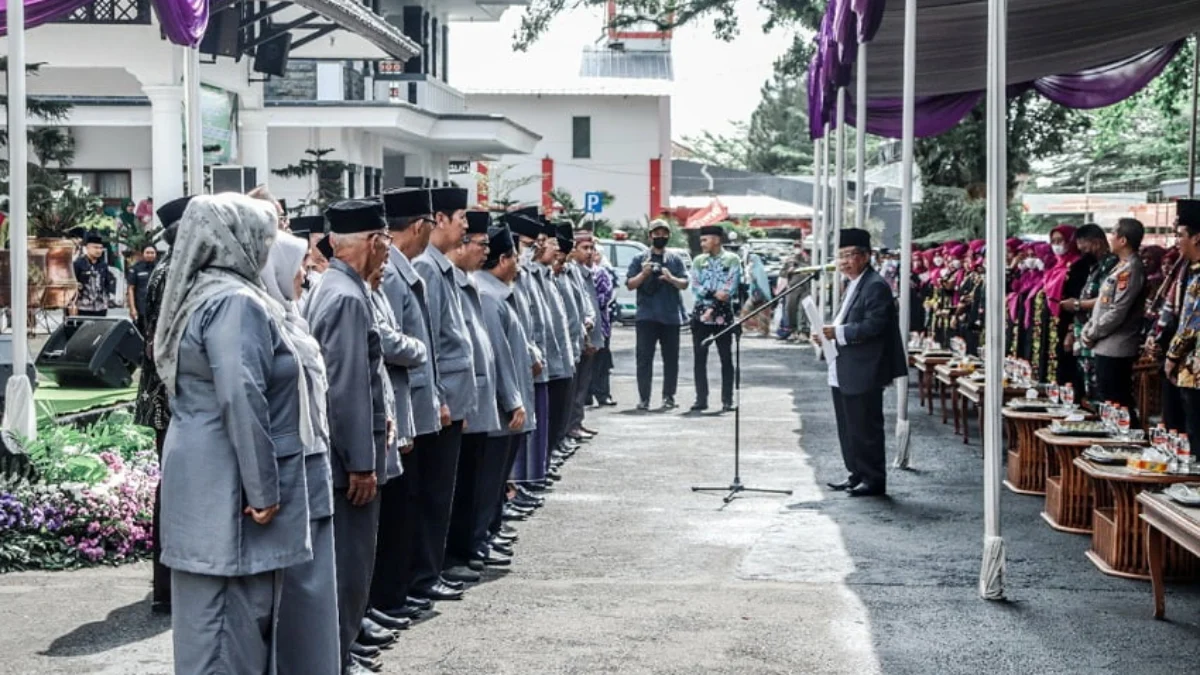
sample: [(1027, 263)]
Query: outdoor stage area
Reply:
[(625, 570)]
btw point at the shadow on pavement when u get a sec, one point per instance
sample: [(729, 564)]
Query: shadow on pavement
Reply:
[(916, 560), (124, 625)]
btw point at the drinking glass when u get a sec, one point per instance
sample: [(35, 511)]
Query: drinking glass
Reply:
[(1068, 395), (1123, 421), (1053, 393)]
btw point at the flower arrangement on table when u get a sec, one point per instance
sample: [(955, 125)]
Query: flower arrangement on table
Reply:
[(85, 498)]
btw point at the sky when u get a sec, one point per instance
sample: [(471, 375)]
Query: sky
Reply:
[(716, 82)]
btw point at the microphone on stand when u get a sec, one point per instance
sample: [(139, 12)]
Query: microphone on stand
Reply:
[(816, 269)]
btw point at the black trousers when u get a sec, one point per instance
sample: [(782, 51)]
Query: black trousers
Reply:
[(700, 333), (399, 513), (162, 574), (1191, 409), (472, 465), (602, 366), (438, 470), (1174, 415), (1114, 379), (581, 388), (490, 489), (515, 448), (651, 334), (860, 433), (560, 408)]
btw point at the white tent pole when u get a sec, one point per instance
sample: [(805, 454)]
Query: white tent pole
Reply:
[(860, 136), (191, 111), (839, 189), (18, 207), (1191, 186), (19, 414), (819, 235), (907, 129), (991, 573), (826, 221)]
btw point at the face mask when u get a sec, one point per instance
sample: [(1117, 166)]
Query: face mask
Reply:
[(938, 260), (527, 255), (955, 264), (1039, 265), (1059, 249), (659, 242)]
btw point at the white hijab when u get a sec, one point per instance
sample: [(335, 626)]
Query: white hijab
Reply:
[(283, 262), (222, 245)]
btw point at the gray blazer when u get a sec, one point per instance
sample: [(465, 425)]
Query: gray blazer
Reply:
[(514, 365), (585, 277), (532, 307), (234, 441), (341, 319), (400, 352), (571, 296), (448, 332), (405, 292), (1115, 327), (560, 363), (485, 418)]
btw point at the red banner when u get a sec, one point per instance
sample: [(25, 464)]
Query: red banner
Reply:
[(712, 214), (481, 184), (547, 186)]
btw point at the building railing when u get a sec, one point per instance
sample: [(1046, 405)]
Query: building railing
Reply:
[(424, 92), (117, 12)]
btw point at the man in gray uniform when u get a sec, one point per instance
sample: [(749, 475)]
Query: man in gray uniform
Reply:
[(342, 321), (581, 272), (410, 222), (454, 360), (500, 303), (485, 419)]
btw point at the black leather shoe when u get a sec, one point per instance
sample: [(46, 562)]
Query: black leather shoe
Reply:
[(460, 574), (161, 607), (509, 531), (419, 603), (699, 406), (406, 612), (361, 666), (495, 559), (669, 403), (476, 565), (387, 621), (844, 485), (643, 406), (864, 490), (502, 549), (363, 650), (610, 401), (374, 635), (511, 514), (439, 591), (524, 502), (728, 407), (456, 585)]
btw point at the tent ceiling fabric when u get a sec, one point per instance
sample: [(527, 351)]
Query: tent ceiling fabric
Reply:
[(1046, 37)]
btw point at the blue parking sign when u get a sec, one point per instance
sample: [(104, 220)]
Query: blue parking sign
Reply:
[(593, 202)]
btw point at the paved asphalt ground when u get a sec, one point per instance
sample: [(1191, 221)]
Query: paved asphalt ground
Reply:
[(626, 570)]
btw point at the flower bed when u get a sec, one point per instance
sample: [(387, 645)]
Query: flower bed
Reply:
[(90, 502)]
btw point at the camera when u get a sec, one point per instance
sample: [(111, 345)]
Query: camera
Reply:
[(656, 269)]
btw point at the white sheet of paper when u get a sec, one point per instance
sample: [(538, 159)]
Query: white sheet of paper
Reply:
[(814, 320)]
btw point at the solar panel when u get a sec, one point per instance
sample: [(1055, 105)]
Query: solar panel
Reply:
[(626, 65)]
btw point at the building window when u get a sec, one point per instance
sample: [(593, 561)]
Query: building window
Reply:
[(111, 186), (581, 137)]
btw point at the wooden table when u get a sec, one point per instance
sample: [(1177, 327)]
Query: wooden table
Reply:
[(925, 363), (1026, 471), (945, 377), (1172, 537), (1118, 535), (971, 389), (1068, 492)]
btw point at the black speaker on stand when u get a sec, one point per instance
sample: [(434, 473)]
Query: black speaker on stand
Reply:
[(223, 37), (92, 353)]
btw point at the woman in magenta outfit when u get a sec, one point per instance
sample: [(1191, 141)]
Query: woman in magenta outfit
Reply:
[(1065, 280)]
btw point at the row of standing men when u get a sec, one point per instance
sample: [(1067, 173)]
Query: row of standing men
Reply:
[(343, 451)]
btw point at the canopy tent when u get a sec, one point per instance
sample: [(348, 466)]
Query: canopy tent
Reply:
[(1110, 49)]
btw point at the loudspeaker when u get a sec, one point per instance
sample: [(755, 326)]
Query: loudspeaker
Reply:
[(271, 57), (233, 179), (92, 352), (223, 37)]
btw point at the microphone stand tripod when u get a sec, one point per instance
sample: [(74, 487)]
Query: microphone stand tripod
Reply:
[(737, 487)]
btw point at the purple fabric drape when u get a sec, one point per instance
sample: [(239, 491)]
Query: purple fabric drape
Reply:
[(1106, 85), (933, 115), (38, 12), (183, 21)]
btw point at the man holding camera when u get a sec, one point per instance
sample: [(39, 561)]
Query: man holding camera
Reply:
[(658, 277)]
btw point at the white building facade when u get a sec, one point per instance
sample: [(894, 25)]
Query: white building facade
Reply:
[(365, 81)]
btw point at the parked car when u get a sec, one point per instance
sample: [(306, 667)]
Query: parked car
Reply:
[(774, 253)]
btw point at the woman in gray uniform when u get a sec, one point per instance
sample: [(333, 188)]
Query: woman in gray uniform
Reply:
[(234, 496), (308, 620)]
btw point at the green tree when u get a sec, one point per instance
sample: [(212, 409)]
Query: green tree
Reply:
[(725, 150), (777, 140), (570, 211), (330, 174)]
